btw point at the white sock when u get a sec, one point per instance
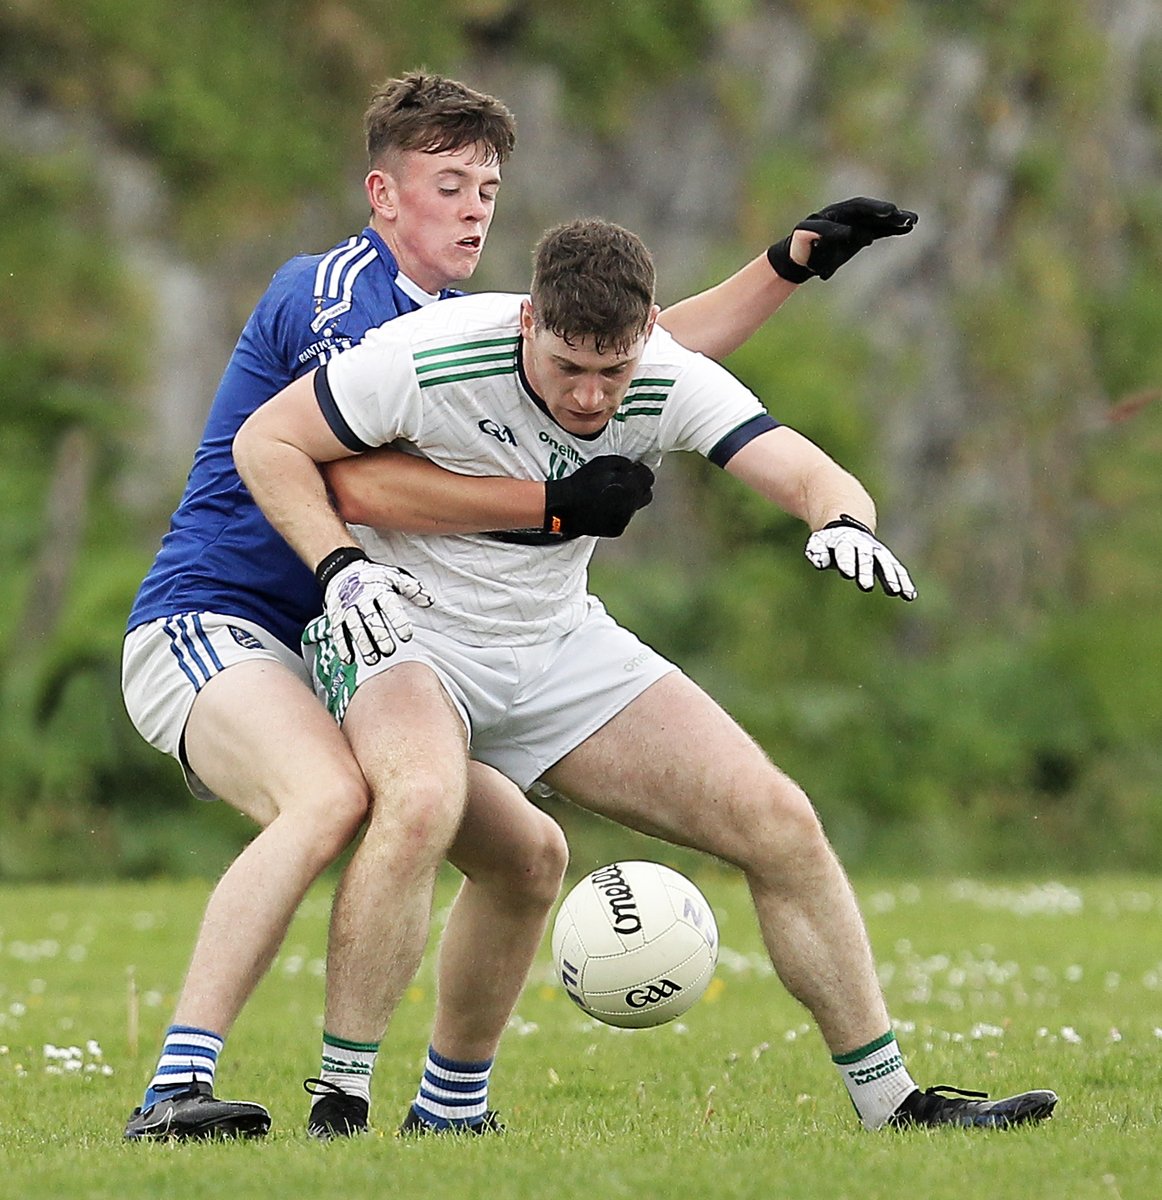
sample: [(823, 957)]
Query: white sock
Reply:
[(876, 1079), (347, 1065)]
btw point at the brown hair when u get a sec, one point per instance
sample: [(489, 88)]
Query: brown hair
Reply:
[(593, 279), (420, 111)]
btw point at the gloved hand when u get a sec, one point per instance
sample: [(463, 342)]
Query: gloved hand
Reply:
[(363, 603), (599, 498), (856, 553), (844, 230)]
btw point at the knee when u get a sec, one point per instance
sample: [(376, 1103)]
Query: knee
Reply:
[(529, 872), (419, 813), (539, 871), (782, 833), (333, 815)]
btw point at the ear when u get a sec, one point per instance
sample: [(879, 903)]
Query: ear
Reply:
[(653, 319), (381, 191), (528, 319)]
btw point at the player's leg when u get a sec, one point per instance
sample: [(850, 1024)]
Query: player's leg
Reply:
[(411, 744), (513, 857), (673, 764), (256, 736), (259, 738)]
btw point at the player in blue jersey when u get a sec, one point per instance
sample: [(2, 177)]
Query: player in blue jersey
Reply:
[(212, 673), (516, 664)]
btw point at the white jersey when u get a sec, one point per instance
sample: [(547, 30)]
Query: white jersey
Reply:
[(447, 383)]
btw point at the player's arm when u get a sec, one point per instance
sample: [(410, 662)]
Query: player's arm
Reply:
[(717, 321), (803, 480), (278, 452), (388, 489)]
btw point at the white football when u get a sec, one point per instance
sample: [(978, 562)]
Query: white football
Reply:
[(635, 944)]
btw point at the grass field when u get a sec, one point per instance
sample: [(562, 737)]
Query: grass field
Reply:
[(993, 986)]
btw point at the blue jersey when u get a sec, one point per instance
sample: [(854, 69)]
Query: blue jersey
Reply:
[(221, 554)]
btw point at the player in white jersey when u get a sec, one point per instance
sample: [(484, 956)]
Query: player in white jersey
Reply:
[(449, 382), (528, 673)]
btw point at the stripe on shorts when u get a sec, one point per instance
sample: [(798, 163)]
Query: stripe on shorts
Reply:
[(189, 641)]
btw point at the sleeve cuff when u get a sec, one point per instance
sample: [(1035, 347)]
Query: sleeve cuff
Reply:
[(729, 446), (334, 417)]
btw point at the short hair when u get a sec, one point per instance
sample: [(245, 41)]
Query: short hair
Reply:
[(434, 114), (593, 279)]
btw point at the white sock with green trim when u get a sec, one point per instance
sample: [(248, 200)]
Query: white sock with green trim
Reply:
[(876, 1079), (347, 1065)]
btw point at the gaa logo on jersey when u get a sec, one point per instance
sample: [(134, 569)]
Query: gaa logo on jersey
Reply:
[(244, 638), (502, 433)]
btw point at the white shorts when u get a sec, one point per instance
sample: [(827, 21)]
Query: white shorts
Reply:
[(166, 663), (524, 707)]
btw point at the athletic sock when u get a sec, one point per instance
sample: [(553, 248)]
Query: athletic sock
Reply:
[(188, 1055), (452, 1093), (347, 1065), (876, 1079)]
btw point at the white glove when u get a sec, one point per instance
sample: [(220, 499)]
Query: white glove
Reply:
[(856, 553), (362, 600)]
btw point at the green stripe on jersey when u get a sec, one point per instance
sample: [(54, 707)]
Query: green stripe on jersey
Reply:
[(644, 398), (467, 360), (463, 375), (450, 364), (458, 348)]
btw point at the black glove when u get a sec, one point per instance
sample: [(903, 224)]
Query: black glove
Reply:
[(598, 499), (844, 230)]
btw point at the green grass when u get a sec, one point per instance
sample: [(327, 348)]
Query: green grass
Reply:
[(1000, 987)]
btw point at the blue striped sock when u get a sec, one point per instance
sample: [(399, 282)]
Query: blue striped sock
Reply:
[(452, 1093), (188, 1055)]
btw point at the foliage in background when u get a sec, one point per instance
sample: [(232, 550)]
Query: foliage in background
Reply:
[(1016, 711)]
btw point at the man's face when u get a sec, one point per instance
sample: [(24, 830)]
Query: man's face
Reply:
[(581, 387), (434, 211)]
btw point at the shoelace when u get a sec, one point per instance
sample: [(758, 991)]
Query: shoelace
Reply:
[(949, 1090), (319, 1087)]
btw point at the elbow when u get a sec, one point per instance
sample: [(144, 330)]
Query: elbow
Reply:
[(242, 449), (346, 500)]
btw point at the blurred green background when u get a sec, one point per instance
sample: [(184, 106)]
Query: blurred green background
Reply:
[(993, 377)]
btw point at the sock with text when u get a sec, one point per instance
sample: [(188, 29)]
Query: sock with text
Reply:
[(876, 1079)]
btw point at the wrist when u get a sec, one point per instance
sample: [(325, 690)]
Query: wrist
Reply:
[(331, 564), (553, 505), (783, 265), (850, 521)]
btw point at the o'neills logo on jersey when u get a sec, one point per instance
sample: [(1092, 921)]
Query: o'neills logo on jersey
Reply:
[(563, 449), (610, 882)]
